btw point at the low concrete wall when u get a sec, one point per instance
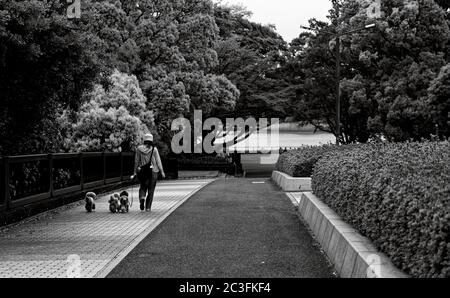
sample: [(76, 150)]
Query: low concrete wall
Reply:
[(289, 183), (353, 255)]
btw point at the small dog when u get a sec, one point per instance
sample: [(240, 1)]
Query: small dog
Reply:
[(124, 202), (89, 198), (114, 203)]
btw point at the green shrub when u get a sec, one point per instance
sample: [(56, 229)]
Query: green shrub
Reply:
[(301, 162), (398, 195)]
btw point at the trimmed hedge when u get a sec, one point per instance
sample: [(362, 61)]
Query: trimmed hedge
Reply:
[(301, 162), (398, 195)]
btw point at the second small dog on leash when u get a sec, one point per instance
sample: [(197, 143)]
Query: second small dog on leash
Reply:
[(114, 203), (124, 202), (119, 202)]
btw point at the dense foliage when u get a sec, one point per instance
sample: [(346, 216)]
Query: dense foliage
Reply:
[(170, 46), (112, 119), (396, 194), (387, 71), (301, 162), (250, 55), (196, 54), (46, 64)]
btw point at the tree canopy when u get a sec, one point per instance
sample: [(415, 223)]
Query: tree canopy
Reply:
[(250, 55), (134, 66), (169, 46), (112, 119), (45, 64), (386, 71)]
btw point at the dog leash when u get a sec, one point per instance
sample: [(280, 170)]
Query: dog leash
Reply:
[(132, 190), (132, 195)]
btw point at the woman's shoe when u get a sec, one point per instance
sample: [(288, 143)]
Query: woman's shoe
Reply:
[(148, 209), (142, 205)]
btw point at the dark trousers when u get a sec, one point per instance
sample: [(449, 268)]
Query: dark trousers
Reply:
[(148, 184)]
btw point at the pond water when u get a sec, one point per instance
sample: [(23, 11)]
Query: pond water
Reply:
[(262, 165), (285, 139)]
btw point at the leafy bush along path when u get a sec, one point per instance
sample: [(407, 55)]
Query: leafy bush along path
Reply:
[(301, 162), (398, 195), (231, 228)]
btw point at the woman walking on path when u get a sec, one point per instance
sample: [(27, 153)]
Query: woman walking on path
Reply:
[(147, 166)]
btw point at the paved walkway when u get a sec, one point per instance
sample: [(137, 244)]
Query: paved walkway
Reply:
[(75, 243), (232, 228)]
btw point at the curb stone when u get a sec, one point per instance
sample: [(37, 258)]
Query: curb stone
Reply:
[(353, 255), (291, 184)]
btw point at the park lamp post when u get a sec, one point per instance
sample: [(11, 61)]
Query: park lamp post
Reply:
[(338, 71)]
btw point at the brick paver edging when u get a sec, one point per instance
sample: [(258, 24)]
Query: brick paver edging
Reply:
[(120, 256), (353, 255)]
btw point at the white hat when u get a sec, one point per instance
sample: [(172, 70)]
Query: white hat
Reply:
[(148, 137)]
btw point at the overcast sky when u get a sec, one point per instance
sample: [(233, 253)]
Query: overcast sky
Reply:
[(286, 15)]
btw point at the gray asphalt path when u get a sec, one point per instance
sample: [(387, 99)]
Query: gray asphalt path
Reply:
[(232, 228)]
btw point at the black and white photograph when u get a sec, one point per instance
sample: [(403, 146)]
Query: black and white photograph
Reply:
[(223, 146)]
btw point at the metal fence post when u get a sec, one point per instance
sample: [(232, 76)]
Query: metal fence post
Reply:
[(104, 167), (121, 166), (81, 171), (6, 182), (50, 174)]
